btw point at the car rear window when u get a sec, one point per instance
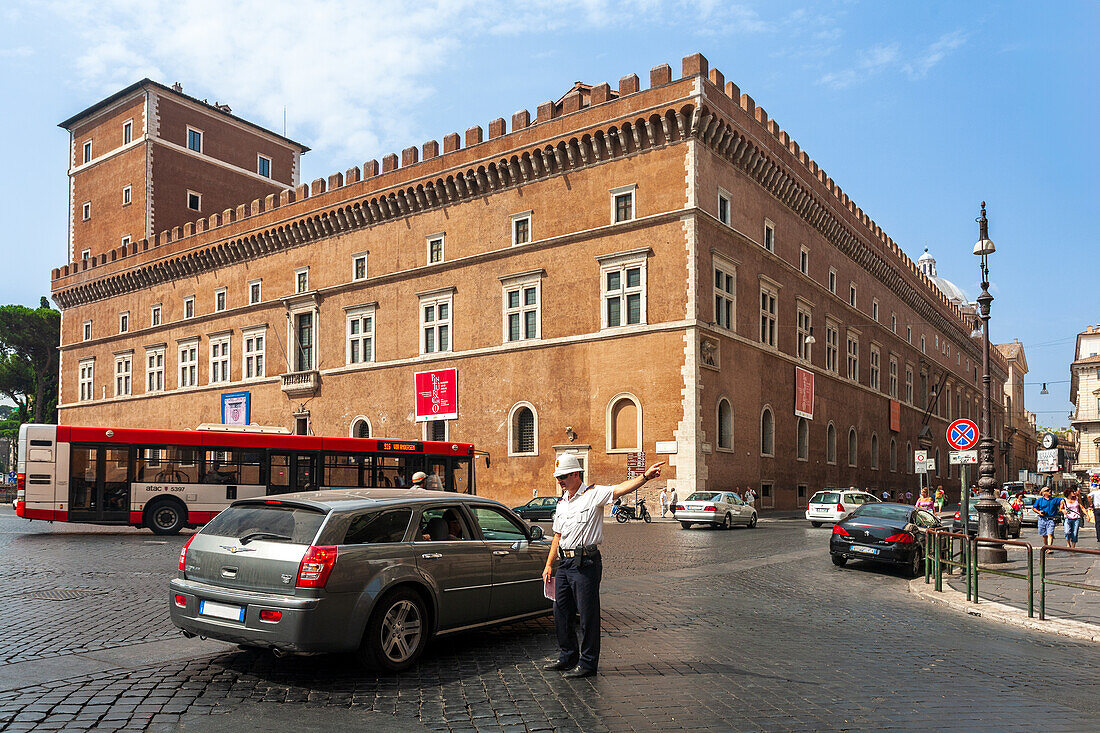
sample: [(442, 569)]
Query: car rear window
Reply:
[(885, 511), (297, 523), (825, 497), (378, 527), (703, 496)]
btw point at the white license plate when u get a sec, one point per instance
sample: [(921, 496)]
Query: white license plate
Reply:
[(822, 509), (865, 550), (221, 610)]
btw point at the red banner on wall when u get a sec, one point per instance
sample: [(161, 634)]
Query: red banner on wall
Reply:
[(803, 393), (436, 395), (895, 416)]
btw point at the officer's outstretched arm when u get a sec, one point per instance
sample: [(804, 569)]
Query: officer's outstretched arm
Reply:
[(638, 481)]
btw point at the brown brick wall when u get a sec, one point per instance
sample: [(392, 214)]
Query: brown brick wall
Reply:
[(102, 184)]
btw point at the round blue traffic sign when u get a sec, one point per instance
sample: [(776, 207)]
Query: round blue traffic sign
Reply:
[(962, 434)]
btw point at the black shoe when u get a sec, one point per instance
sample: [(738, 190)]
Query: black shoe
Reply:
[(580, 672), (557, 667)]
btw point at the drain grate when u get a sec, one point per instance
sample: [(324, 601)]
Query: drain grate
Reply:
[(62, 594)]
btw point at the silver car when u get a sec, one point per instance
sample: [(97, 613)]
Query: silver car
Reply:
[(718, 508), (372, 571)]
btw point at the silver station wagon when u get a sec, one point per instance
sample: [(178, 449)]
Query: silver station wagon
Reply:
[(377, 572)]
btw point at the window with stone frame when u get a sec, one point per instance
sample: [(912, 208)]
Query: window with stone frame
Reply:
[(86, 380), (893, 377), (435, 248), (188, 363), (360, 335), (804, 326), (875, 366), (769, 235), (832, 347), (521, 228), (909, 384), (624, 291), (725, 295), (254, 353), (622, 203), (853, 357), (124, 367), (435, 323), (768, 315), (522, 305), (219, 359), (154, 369)]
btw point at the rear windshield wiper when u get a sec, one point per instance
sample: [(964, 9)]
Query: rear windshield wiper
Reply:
[(262, 536)]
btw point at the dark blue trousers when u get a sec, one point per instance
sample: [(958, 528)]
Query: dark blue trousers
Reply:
[(577, 590)]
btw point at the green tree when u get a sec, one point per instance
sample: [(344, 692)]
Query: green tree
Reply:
[(28, 360)]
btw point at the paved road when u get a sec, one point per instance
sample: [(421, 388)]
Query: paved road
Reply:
[(704, 629)]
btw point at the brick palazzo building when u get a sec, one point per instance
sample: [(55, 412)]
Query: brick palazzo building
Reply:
[(630, 270)]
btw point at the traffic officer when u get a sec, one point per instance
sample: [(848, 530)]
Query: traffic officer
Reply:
[(578, 532), (418, 480)]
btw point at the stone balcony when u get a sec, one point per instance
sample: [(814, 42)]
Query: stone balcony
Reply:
[(300, 384)]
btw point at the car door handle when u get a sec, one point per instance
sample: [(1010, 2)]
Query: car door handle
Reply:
[(500, 552), (432, 555)]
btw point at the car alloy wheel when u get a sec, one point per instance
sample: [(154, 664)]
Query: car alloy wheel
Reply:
[(397, 632), (752, 521), (727, 522), (401, 629)]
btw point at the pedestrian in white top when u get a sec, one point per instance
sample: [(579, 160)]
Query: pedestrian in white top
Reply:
[(664, 503), (1094, 497), (578, 532)]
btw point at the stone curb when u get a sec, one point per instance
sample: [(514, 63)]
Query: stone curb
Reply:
[(1000, 613)]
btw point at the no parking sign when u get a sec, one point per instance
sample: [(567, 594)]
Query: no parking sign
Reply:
[(962, 434)]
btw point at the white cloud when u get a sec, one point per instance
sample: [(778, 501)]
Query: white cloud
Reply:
[(16, 52), (935, 53), (889, 57)]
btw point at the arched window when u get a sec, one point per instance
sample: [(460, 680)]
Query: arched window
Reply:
[(523, 430), (910, 466), (767, 433), (624, 423), (725, 424), (360, 427), (893, 455), (874, 450), (830, 444), (803, 439), (851, 446)]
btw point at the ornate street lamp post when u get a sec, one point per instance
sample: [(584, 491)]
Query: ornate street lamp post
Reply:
[(987, 506)]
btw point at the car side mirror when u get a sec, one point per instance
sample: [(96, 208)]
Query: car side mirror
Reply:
[(536, 533)]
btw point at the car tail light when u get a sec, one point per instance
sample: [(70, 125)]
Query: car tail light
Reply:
[(183, 552), (21, 483), (958, 516), (181, 601), (315, 567), (901, 537), (840, 507), (271, 617), (838, 530), (710, 509), (679, 507), (272, 501)]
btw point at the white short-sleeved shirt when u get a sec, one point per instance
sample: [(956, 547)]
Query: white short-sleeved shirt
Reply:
[(1094, 497), (579, 520)]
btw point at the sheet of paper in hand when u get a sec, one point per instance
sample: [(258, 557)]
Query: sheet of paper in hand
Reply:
[(548, 587)]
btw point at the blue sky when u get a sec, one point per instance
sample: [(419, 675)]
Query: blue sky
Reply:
[(919, 111)]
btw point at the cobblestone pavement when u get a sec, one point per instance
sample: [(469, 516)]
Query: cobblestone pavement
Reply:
[(704, 629)]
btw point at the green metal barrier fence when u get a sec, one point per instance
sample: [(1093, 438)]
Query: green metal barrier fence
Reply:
[(970, 567), (1043, 575)]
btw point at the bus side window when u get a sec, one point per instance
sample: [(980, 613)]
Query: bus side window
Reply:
[(461, 468), (278, 472), (389, 472), (436, 468), (251, 472)]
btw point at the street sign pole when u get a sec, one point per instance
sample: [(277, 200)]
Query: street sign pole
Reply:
[(964, 501)]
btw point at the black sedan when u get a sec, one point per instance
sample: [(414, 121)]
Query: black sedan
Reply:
[(1008, 521), (885, 533), (541, 507)]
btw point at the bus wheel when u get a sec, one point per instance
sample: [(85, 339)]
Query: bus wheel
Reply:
[(165, 516)]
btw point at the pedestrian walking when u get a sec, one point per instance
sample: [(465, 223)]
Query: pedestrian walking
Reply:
[(885, 495), (925, 501), (750, 496), (908, 497), (1094, 497), (664, 502), (672, 499), (940, 500), (1073, 511), (578, 532), (1047, 508)]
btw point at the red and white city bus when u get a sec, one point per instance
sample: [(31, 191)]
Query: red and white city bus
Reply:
[(168, 479)]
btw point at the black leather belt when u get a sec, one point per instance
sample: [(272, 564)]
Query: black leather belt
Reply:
[(579, 551)]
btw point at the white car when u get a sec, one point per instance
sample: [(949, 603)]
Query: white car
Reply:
[(719, 508), (834, 505)]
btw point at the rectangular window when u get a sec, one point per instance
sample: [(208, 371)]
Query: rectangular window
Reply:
[(874, 310), (522, 309), (852, 294), (253, 366), (87, 151), (359, 267), (909, 335), (194, 201), (263, 165), (301, 280), (254, 292), (154, 315), (622, 203), (876, 364), (360, 337), (194, 139), (126, 240), (832, 347), (768, 319), (189, 307), (127, 132), (189, 364), (124, 322), (123, 374), (804, 261), (85, 254), (521, 228), (832, 281), (893, 377), (86, 211), (303, 325), (893, 322), (87, 376), (154, 369), (126, 196), (725, 296), (624, 302), (435, 324), (805, 323), (923, 350), (909, 384), (219, 300), (853, 358), (724, 207), (87, 330), (769, 235), (435, 248), (219, 359)]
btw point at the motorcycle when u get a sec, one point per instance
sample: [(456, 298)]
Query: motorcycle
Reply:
[(624, 513)]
